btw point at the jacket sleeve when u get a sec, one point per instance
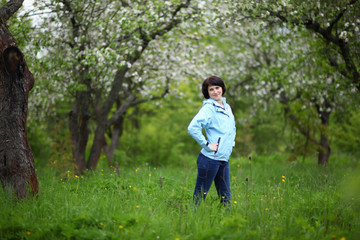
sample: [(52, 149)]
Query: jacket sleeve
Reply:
[(201, 120)]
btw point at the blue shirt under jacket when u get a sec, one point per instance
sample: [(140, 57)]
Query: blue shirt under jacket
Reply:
[(217, 122)]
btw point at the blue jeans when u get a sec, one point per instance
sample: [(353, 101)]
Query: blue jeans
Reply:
[(210, 170)]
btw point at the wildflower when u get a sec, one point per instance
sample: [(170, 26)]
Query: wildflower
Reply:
[(283, 177), (343, 238), (283, 180), (154, 168), (76, 176), (238, 165), (102, 170), (68, 171), (121, 226), (129, 186), (250, 158), (274, 197), (101, 224), (204, 193), (223, 197), (28, 233), (149, 174), (238, 196), (177, 238), (247, 179), (105, 188), (266, 209), (137, 206), (235, 202)]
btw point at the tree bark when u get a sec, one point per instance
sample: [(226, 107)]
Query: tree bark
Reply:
[(78, 125), (17, 168), (115, 137), (324, 147)]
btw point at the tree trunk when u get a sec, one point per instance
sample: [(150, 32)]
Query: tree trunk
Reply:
[(324, 152), (78, 125), (102, 125), (17, 168), (323, 145), (115, 136)]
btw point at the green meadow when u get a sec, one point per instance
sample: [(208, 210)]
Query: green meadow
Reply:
[(271, 199)]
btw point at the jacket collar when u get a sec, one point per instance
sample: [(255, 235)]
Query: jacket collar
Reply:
[(215, 103)]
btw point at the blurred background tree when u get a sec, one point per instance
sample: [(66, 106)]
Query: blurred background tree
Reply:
[(293, 90)]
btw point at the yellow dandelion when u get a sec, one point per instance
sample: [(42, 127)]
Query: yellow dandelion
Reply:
[(177, 238), (121, 226), (149, 174), (343, 238), (28, 233), (129, 186), (204, 193), (105, 188), (68, 171), (274, 197), (154, 168), (283, 177), (102, 170), (76, 176), (283, 180), (137, 206), (235, 202), (223, 197), (238, 165)]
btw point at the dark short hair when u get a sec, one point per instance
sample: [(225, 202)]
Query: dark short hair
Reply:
[(212, 81)]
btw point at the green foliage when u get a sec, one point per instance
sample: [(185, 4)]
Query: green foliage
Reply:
[(280, 200), (162, 137), (347, 134)]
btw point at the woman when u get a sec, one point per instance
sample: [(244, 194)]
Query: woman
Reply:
[(217, 119)]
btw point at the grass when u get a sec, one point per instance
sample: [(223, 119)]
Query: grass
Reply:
[(271, 199)]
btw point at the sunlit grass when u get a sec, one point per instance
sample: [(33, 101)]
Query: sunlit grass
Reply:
[(271, 199)]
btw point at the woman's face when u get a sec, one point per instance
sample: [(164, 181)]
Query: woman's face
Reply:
[(215, 92)]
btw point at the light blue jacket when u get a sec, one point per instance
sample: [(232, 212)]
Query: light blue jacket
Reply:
[(217, 122)]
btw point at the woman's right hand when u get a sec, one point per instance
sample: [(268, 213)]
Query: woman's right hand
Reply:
[(214, 147)]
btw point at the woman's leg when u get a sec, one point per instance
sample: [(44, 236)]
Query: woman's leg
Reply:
[(207, 170), (222, 182)]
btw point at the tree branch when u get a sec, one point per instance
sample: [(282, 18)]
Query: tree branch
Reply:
[(285, 101), (9, 9), (339, 16), (315, 26)]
